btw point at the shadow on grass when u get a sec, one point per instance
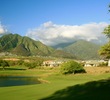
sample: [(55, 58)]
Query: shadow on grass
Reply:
[(95, 90), (12, 68)]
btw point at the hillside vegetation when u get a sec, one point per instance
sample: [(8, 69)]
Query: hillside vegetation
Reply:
[(14, 43)]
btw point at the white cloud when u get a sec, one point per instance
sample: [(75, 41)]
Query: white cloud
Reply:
[(52, 34), (3, 29)]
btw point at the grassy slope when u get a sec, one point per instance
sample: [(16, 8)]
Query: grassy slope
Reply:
[(37, 92)]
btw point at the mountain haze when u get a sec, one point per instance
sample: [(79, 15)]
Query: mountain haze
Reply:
[(62, 45)]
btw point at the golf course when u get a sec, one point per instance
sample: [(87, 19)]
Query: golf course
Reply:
[(93, 85), (54, 49)]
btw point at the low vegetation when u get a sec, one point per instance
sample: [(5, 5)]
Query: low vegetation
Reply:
[(28, 62), (4, 64)]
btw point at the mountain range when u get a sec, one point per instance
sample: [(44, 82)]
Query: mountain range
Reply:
[(26, 46), (81, 49)]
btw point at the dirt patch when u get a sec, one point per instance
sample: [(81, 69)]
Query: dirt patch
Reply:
[(97, 70), (12, 59), (43, 81)]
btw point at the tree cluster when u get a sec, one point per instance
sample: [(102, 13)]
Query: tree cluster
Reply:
[(105, 49)]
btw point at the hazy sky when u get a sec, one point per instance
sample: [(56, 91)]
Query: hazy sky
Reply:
[(55, 21)]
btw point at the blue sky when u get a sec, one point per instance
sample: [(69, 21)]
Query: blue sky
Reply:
[(27, 16)]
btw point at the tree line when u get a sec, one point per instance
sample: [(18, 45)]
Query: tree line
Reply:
[(29, 64)]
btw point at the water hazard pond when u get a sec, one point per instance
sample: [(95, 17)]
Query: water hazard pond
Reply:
[(17, 80)]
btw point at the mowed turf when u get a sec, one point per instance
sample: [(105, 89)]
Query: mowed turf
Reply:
[(55, 86)]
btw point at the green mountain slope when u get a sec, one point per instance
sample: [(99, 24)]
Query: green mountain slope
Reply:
[(19, 45), (83, 49)]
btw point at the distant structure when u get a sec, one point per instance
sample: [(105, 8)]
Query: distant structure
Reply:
[(109, 62), (91, 63), (95, 63), (52, 63)]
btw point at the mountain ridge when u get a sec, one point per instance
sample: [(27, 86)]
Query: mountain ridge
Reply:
[(11, 42), (26, 46)]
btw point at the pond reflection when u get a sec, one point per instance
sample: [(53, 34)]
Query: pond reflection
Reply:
[(17, 80)]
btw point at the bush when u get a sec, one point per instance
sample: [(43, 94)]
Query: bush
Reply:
[(71, 67), (103, 64), (14, 63), (4, 63), (30, 65)]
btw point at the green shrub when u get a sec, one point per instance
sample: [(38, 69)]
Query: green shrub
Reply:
[(71, 67), (103, 64), (20, 62), (4, 63), (14, 63), (30, 65)]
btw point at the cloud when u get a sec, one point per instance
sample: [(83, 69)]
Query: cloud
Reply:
[(3, 29), (52, 34)]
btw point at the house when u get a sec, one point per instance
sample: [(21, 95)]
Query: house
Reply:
[(109, 62), (94, 63), (52, 63), (91, 63)]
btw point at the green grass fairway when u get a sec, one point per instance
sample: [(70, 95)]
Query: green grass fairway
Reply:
[(57, 87)]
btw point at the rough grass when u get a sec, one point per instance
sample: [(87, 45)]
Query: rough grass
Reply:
[(97, 70), (58, 87)]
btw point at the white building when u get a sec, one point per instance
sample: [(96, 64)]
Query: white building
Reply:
[(109, 62)]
